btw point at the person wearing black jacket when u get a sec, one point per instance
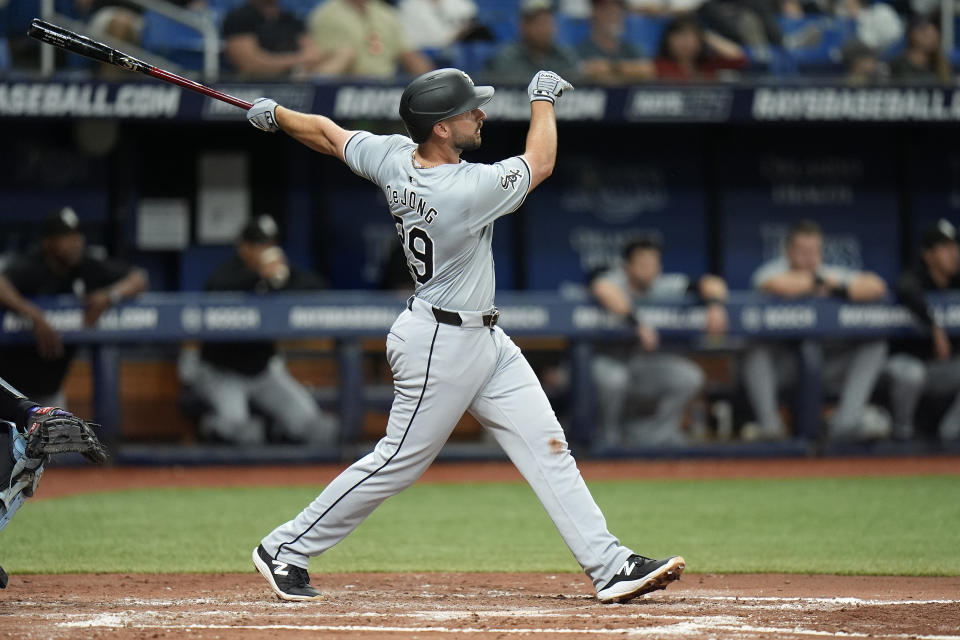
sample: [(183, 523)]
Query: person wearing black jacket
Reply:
[(233, 375), (933, 365), (60, 264)]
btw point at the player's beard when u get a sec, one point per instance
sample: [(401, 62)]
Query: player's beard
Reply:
[(467, 143)]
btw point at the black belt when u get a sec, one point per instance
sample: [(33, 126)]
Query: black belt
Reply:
[(453, 318)]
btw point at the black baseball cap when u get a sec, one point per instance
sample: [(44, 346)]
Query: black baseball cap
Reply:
[(260, 229), (940, 233), (61, 222)]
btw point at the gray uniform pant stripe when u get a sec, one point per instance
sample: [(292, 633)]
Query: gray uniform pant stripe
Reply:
[(426, 380)]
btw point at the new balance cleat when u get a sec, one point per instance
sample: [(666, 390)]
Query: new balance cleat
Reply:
[(640, 575), (288, 581)]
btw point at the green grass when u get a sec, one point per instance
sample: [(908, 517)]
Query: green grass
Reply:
[(905, 526)]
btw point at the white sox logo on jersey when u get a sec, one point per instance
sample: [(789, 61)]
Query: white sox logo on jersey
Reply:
[(280, 568), (510, 180)]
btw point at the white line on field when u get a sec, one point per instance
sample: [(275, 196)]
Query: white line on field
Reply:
[(677, 629)]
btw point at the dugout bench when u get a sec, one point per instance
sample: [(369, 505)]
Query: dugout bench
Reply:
[(350, 317)]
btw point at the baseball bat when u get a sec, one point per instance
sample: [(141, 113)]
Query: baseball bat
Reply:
[(84, 46)]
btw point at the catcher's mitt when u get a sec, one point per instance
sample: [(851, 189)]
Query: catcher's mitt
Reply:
[(53, 431)]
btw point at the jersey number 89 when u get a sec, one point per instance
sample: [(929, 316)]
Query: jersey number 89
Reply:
[(421, 246)]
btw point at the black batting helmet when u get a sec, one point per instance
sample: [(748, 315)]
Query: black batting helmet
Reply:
[(438, 95)]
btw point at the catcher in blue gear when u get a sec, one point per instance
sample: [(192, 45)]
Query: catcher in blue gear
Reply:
[(29, 435)]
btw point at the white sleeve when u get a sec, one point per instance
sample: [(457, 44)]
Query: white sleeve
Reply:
[(365, 153), (765, 272), (500, 188)]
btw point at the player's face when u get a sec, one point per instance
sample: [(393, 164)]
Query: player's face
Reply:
[(943, 258), (644, 267), (805, 252), (465, 130), (66, 249)]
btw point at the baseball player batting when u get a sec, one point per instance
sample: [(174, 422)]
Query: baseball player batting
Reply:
[(447, 353)]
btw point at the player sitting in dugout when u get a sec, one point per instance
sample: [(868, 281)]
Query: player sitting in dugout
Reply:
[(642, 373), (29, 434), (59, 265), (230, 376), (930, 365), (850, 368)]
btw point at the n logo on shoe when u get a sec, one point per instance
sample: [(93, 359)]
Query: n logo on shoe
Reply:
[(628, 568), (280, 568)]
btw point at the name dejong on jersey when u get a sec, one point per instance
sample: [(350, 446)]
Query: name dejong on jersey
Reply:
[(409, 199)]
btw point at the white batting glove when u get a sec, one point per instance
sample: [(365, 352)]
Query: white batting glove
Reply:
[(263, 115), (547, 85)]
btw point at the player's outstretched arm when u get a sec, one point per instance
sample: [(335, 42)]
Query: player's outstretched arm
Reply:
[(320, 133), (541, 150)]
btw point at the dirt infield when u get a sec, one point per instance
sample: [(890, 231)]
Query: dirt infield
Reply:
[(69, 480), (480, 606)]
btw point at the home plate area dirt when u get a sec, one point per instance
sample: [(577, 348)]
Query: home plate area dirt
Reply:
[(478, 606)]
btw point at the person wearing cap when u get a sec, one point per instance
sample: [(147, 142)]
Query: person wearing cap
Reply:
[(536, 48), (640, 372), (849, 369), (931, 365), (608, 57), (60, 264), (230, 376)]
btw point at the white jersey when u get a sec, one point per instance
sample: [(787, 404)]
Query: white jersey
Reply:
[(444, 215)]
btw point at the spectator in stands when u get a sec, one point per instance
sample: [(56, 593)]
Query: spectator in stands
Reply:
[(863, 64), (119, 19), (877, 23), (751, 23), (851, 369), (688, 53), (233, 375), (931, 366), (536, 48), (923, 60), (437, 24), (639, 371), (59, 265), (371, 30), (608, 58), (261, 39)]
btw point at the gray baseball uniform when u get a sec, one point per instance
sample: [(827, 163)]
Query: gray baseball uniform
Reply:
[(851, 371), (665, 380), (447, 358)]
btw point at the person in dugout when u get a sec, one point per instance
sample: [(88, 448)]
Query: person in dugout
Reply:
[(231, 376), (60, 264)]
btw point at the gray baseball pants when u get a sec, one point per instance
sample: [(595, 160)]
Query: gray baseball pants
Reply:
[(667, 381), (853, 371), (910, 377), (441, 371)]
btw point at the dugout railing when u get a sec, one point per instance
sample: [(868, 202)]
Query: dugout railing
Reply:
[(350, 317)]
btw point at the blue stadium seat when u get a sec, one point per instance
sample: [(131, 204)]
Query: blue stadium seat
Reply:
[(572, 31), (645, 31), (299, 8), (4, 54), (172, 40), (222, 6), (825, 53), (472, 56)]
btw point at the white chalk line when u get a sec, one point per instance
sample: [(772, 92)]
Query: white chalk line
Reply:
[(679, 629)]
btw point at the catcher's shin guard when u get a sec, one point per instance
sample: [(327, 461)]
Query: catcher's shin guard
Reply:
[(19, 474)]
